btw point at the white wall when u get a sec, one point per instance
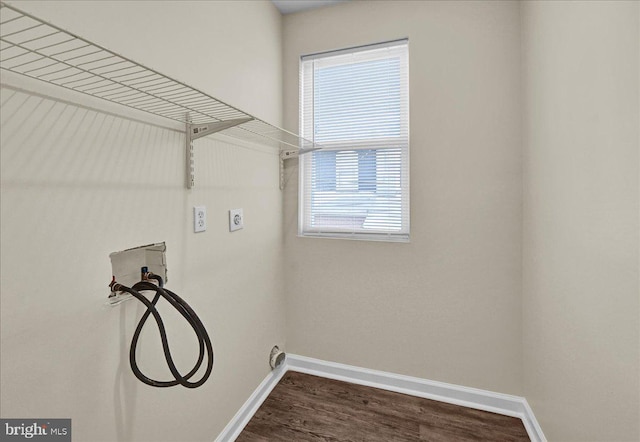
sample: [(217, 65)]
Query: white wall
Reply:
[(79, 183), (447, 306), (581, 294)]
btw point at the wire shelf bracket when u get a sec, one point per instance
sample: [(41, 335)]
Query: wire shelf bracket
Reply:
[(195, 131), (35, 48)]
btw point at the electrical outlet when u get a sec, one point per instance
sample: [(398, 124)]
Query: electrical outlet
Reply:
[(236, 220), (199, 219)]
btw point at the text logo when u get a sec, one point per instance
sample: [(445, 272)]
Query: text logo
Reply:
[(13, 430)]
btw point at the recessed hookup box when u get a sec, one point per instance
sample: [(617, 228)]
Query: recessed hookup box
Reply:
[(126, 264)]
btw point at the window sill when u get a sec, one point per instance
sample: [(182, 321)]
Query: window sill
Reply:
[(377, 237)]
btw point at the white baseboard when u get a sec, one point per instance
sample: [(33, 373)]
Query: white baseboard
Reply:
[(249, 408), (508, 405), (505, 404)]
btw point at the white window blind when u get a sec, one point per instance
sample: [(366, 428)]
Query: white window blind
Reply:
[(355, 104)]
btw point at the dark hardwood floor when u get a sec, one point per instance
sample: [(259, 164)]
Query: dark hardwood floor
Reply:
[(309, 408)]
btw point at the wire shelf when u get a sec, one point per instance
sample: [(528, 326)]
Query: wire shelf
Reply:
[(37, 49)]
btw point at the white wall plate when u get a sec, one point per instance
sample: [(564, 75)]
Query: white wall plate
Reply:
[(236, 220)]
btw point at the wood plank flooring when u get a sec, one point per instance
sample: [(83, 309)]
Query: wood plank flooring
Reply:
[(309, 408)]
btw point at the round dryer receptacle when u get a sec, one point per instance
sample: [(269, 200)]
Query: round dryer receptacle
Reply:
[(276, 357)]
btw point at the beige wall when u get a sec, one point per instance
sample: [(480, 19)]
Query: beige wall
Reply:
[(447, 306), (78, 184), (496, 273), (581, 295)]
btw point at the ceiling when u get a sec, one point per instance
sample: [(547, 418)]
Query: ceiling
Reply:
[(291, 6)]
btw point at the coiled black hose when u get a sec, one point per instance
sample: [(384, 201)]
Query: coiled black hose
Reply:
[(187, 312)]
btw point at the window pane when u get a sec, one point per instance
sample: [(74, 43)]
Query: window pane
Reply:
[(324, 171), (367, 170), (357, 101), (347, 206)]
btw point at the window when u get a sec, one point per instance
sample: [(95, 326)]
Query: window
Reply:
[(355, 104)]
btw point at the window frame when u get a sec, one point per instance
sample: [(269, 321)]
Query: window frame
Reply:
[(358, 146)]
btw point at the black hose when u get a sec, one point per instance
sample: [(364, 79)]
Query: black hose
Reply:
[(187, 312)]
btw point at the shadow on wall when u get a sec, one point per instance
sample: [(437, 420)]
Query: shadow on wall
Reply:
[(79, 183), (68, 144)]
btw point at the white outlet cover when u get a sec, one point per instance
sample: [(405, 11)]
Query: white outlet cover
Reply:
[(199, 219), (236, 220)]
